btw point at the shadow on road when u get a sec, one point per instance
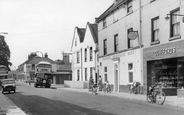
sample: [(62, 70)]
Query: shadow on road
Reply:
[(37, 105)]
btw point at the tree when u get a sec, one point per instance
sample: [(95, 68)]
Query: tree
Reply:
[(4, 53)]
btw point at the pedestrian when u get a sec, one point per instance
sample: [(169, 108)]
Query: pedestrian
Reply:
[(91, 82), (100, 83)]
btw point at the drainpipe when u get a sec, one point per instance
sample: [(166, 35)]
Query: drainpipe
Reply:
[(140, 40)]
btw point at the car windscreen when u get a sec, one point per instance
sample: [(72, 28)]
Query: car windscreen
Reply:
[(8, 82)]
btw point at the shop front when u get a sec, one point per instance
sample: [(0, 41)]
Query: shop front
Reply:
[(165, 63)]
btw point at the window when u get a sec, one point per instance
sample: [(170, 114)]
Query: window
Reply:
[(91, 54), (175, 23), (86, 74), (78, 75), (130, 42), (104, 23), (155, 29), (33, 66), (129, 6), (116, 43), (78, 60), (105, 46), (130, 72), (91, 71), (105, 73), (85, 55)]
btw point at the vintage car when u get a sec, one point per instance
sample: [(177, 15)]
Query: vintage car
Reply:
[(8, 85)]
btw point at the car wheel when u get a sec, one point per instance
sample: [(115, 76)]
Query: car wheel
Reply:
[(2, 92), (14, 91)]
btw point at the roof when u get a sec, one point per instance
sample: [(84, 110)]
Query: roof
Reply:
[(81, 33), (94, 31), (112, 8), (37, 59)]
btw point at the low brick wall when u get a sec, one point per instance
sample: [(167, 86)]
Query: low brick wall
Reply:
[(76, 84)]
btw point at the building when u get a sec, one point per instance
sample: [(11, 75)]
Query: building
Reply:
[(120, 60), (63, 70), (26, 70), (84, 53), (163, 39)]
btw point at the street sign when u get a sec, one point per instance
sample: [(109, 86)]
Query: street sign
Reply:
[(132, 35)]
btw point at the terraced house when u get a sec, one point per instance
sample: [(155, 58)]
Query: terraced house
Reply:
[(142, 40), (84, 53), (120, 60)]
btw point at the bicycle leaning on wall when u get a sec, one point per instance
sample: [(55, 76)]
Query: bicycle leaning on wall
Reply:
[(134, 87), (155, 93)]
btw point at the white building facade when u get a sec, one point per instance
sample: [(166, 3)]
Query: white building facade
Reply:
[(120, 60), (84, 53)]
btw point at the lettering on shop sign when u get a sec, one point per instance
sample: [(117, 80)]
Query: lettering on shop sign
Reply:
[(165, 51)]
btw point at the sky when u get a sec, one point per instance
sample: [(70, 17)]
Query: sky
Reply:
[(45, 25)]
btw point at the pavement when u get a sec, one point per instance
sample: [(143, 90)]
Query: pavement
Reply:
[(172, 101), (7, 107)]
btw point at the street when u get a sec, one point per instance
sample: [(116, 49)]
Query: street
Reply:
[(44, 101)]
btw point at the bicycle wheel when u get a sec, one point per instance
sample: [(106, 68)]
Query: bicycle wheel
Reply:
[(160, 98), (149, 98)]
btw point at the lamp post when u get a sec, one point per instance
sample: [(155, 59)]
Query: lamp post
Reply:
[(167, 16)]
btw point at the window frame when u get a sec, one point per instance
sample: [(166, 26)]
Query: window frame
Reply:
[(171, 22), (129, 41), (153, 30), (116, 48), (105, 46), (104, 23), (130, 72), (91, 53), (85, 55), (129, 6)]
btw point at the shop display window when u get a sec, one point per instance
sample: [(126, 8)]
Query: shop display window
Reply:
[(169, 71)]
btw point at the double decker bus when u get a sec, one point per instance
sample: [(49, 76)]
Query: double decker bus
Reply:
[(3, 72), (43, 75)]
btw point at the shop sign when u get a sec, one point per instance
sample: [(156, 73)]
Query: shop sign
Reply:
[(165, 51)]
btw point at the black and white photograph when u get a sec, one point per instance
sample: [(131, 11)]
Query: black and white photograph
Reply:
[(91, 57)]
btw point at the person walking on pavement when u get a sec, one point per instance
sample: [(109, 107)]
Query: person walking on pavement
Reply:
[(100, 83)]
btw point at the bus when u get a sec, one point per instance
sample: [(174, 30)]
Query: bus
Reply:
[(3, 72), (43, 75)]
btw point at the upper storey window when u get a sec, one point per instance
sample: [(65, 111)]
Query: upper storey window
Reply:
[(129, 6), (104, 23), (155, 29), (175, 23)]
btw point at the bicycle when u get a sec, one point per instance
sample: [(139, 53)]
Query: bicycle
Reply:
[(155, 94), (133, 87)]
